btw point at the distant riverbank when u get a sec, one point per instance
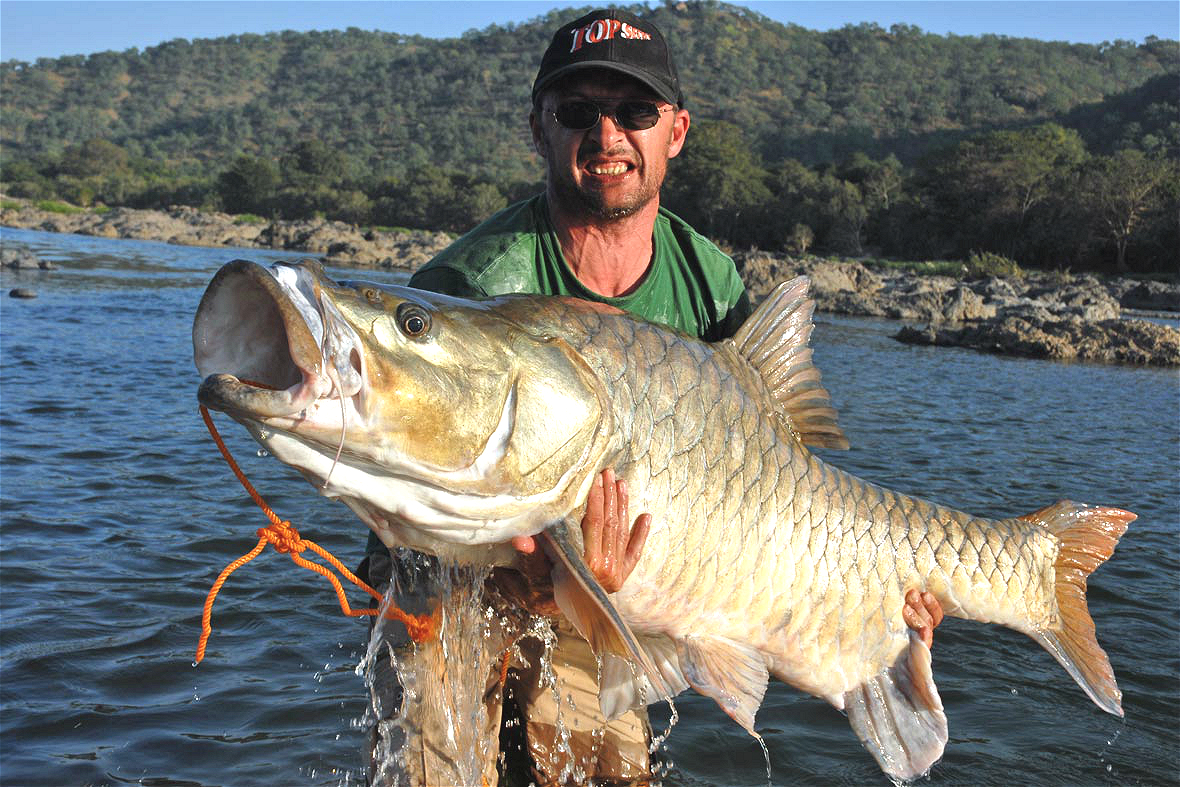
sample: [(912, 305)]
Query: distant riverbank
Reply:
[(1048, 315)]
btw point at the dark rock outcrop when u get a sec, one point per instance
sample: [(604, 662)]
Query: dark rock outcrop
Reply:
[(21, 259), (1068, 339)]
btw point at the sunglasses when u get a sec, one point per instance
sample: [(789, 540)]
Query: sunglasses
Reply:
[(631, 115)]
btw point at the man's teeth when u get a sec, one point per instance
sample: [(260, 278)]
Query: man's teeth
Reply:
[(607, 169)]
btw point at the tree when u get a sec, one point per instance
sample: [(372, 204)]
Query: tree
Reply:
[(247, 186), (717, 183), (1121, 191), (983, 192), (312, 164), (92, 157)]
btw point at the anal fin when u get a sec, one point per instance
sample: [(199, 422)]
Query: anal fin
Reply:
[(732, 674), (621, 690), (898, 714), (588, 608)]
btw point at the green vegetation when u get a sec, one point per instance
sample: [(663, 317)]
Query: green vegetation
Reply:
[(860, 141), (51, 206), (953, 268), (981, 264)]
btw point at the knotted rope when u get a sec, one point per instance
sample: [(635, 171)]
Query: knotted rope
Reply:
[(285, 538)]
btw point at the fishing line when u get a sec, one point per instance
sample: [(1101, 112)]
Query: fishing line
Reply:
[(334, 376)]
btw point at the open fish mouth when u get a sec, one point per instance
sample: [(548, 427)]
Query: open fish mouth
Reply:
[(270, 347)]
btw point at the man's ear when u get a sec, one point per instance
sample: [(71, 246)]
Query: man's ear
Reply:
[(680, 123), (538, 133)]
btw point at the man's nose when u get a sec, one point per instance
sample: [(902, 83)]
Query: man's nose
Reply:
[(607, 131)]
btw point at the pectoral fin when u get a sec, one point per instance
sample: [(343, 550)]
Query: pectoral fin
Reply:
[(587, 606), (898, 714), (734, 675)]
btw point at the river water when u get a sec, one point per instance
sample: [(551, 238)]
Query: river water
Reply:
[(117, 515)]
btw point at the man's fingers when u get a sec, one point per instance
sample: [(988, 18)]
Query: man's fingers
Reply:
[(610, 523), (919, 616), (933, 608), (623, 533), (592, 525), (526, 545), (635, 544)]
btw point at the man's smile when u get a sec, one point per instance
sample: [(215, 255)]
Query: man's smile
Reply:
[(613, 168)]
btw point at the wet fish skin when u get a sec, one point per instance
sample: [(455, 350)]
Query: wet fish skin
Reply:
[(756, 537), (762, 559)]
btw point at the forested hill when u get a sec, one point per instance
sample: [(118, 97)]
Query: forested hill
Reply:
[(391, 102), (854, 141)]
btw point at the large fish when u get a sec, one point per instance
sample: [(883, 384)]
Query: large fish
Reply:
[(451, 426)]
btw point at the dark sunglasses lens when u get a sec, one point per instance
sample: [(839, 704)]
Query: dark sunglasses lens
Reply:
[(577, 114), (637, 115)]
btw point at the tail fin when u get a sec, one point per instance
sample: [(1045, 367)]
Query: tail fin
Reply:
[(1087, 537)]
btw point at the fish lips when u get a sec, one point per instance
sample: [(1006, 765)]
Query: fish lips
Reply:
[(254, 345)]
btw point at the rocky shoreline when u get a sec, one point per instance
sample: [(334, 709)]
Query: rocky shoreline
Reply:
[(337, 242), (1042, 315)]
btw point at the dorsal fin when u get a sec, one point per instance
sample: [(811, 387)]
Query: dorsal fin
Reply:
[(775, 340)]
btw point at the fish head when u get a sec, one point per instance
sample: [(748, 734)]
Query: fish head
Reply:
[(446, 424)]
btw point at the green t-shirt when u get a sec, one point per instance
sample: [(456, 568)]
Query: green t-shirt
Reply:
[(692, 285)]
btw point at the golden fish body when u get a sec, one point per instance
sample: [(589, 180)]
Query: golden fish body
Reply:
[(474, 422)]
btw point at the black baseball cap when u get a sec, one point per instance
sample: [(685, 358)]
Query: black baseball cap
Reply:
[(616, 40)]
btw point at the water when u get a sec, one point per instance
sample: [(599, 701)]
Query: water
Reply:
[(117, 515)]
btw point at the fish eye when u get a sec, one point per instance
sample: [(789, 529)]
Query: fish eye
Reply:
[(413, 320)]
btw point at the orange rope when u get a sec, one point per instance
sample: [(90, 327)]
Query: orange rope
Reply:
[(286, 538)]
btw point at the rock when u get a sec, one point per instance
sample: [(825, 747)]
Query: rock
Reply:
[(964, 304), (830, 279), (1072, 338), (22, 292), (1152, 296), (21, 259)]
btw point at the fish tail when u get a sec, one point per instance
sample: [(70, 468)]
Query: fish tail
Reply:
[(1086, 536)]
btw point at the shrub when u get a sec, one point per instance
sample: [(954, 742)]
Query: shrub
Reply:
[(981, 264)]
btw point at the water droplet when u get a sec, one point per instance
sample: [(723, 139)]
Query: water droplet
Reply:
[(1108, 767), (1014, 692), (262, 452)]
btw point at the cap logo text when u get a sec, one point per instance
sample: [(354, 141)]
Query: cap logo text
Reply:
[(604, 30)]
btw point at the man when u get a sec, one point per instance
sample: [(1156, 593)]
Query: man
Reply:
[(607, 117)]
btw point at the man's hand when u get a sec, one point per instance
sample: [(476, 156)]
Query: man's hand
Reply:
[(922, 613), (611, 546)]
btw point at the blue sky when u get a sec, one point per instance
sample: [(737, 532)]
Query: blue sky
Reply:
[(30, 29)]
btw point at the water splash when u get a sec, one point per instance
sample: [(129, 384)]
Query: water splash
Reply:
[(441, 689)]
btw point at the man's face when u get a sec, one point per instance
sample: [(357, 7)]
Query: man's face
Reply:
[(608, 171)]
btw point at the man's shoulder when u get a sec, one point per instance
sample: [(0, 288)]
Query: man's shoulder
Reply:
[(505, 240), (698, 252)]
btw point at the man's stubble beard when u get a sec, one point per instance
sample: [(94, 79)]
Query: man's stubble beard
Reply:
[(593, 204)]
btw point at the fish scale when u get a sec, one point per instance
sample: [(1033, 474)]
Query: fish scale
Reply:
[(479, 421)]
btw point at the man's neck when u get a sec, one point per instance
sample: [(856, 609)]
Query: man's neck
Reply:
[(608, 257)]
